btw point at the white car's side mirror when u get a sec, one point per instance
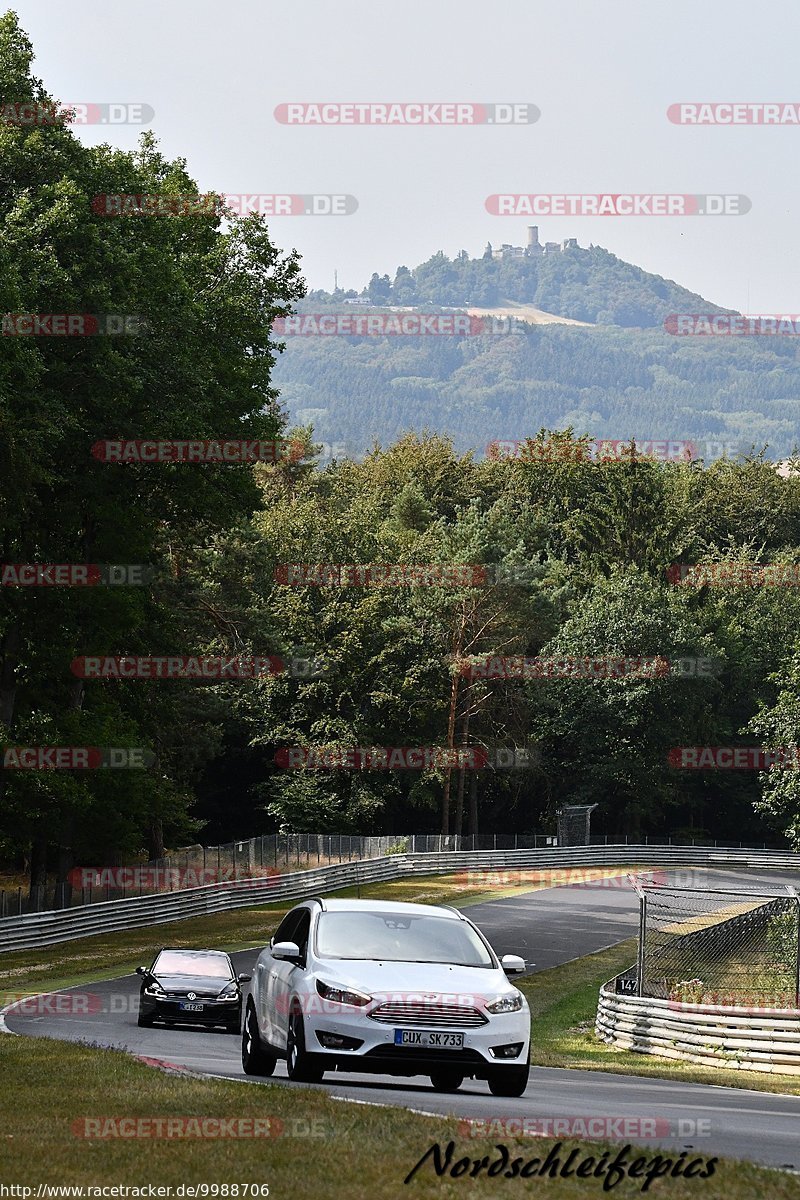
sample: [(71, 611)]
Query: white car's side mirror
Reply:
[(286, 951), (512, 964)]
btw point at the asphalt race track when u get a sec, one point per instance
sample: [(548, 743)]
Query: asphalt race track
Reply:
[(547, 928)]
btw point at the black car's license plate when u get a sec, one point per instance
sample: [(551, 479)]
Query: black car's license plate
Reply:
[(430, 1039), (191, 1007)]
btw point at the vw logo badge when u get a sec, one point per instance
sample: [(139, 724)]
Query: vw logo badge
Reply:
[(191, 995)]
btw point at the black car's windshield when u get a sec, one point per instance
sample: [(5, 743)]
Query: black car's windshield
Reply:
[(394, 937), (180, 962)]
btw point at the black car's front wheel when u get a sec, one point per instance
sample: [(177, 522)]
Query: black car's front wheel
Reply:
[(301, 1066), (255, 1059), (144, 1021)]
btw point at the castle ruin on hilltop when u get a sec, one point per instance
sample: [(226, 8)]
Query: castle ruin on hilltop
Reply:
[(533, 249)]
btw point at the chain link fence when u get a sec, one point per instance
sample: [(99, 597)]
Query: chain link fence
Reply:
[(717, 947), (251, 858)]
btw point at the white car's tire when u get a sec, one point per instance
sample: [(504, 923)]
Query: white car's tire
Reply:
[(446, 1081), (301, 1066), (509, 1081)]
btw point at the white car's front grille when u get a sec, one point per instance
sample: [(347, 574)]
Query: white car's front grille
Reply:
[(431, 1013)]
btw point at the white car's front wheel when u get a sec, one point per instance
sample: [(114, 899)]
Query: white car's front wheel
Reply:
[(301, 1067), (446, 1081), (509, 1081)]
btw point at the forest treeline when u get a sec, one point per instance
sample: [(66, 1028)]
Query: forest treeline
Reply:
[(559, 559)]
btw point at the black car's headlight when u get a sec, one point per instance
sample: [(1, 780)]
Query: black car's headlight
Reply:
[(230, 991), (506, 1004), (154, 989)]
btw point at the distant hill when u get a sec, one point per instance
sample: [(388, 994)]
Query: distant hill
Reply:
[(618, 374), (586, 285)]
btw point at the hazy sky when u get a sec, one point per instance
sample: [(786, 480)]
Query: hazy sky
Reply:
[(602, 72)]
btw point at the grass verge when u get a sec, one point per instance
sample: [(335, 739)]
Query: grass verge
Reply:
[(319, 1147)]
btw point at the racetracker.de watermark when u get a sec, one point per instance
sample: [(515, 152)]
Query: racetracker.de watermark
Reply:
[(406, 113), (404, 758), (178, 451), (732, 325), (161, 879), (738, 112), (72, 325), (75, 574), (602, 667), (216, 204), (595, 1128), (599, 450), (734, 574), (610, 450), (203, 668), (77, 758), (578, 877), (406, 324), (30, 114), (616, 204), (195, 1128), (734, 758), (53, 1004), (338, 1001)]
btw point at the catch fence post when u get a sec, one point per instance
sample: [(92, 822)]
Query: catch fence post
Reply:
[(640, 892), (793, 893), (642, 936)]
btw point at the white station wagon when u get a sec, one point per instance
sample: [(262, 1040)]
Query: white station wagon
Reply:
[(381, 987)]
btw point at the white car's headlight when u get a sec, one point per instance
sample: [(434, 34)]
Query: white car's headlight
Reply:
[(506, 1004), (340, 995)]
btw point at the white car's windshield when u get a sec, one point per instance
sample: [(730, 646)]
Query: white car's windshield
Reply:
[(400, 937), (177, 962)]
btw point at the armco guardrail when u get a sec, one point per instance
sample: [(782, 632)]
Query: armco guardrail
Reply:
[(745, 1039), (49, 928)]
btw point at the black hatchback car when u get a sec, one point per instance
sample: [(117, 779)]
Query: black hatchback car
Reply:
[(193, 987)]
